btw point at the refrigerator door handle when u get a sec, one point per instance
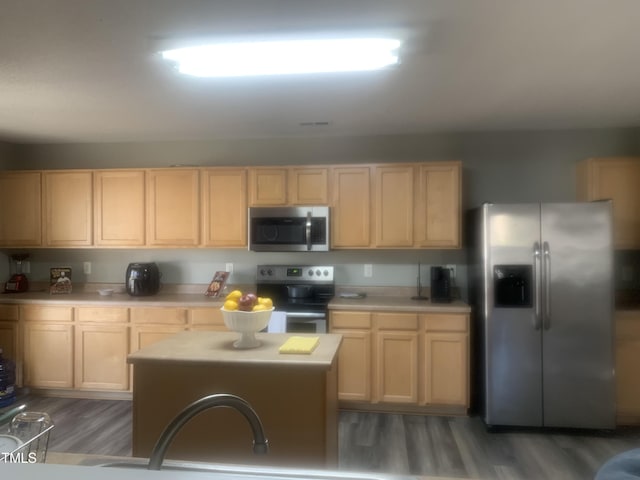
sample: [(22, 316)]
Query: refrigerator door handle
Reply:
[(546, 278), (536, 286)]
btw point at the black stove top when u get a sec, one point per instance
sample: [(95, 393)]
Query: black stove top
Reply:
[(296, 288)]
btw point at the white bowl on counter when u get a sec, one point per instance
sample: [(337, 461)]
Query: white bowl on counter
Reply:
[(247, 324), (105, 292)]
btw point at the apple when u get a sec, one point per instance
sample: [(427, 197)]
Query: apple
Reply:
[(246, 302)]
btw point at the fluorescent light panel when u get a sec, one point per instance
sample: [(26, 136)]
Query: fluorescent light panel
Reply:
[(285, 57)]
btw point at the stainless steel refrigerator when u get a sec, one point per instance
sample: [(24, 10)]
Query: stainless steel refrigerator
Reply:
[(543, 296)]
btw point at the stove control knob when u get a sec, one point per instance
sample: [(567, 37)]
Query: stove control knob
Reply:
[(326, 273), (262, 272), (310, 273), (269, 272), (318, 273)]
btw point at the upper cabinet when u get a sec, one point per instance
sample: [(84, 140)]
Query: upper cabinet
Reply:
[(616, 179), (224, 207), (280, 186), (20, 209), (394, 206), (351, 213), (267, 186), (68, 208), (173, 207), (414, 205), (119, 207), (438, 205)]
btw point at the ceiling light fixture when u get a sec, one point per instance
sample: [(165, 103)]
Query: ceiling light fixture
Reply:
[(285, 57)]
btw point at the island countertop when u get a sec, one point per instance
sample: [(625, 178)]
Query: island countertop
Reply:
[(217, 348)]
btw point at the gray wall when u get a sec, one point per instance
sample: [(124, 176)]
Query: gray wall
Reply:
[(498, 166)]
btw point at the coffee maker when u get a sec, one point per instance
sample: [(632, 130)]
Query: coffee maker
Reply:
[(18, 281)]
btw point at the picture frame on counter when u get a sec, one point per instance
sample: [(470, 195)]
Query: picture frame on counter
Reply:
[(217, 284), (60, 280)]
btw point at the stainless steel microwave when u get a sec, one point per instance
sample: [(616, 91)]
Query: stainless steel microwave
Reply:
[(289, 229)]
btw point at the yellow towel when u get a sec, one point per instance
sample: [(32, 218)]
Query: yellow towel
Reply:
[(300, 345)]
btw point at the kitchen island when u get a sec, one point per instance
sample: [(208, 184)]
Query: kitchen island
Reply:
[(295, 396)]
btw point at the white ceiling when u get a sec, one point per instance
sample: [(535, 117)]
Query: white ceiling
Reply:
[(85, 70)]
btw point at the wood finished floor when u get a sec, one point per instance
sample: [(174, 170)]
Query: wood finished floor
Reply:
[(390, 443)]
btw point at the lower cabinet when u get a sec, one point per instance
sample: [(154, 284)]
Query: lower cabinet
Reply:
[(151, 324), (389, 359), (9, 339), (101, 348), (627, 350), (207, 319)]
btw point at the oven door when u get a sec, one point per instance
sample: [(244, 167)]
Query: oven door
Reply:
[(306, 322)]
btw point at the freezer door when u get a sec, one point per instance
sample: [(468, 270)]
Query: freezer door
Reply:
[(577, 289), (511, 330)]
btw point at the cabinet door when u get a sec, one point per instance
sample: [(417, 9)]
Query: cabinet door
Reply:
[(206, 318), (119, 207), (394, 212), (309, 186), (267, 186), (616, 179), (9, 339), (48, 354), (354, 356), (627, 360), (101, 357), (173, 207), (68, 207), (396, 354), (224, 205), (144, 335), (351, 215), (438, 212), (445, 360), (21, 209)]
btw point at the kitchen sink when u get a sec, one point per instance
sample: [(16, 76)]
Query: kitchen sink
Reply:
[(245, 472)]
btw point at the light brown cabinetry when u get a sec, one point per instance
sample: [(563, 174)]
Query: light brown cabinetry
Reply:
[(119, 207), (354, 356), (20, 209), (206, 319), (101, 348), (404, 361), (280, 186), (9, 337), (68, 208), (308, 186), (351, 215), (445, 359), (151, 324), (396, 354), (627, 352), (438, 205), (224, 207), (615, 179), (48, 346), (394, 206), (267, 186), (173, 207)]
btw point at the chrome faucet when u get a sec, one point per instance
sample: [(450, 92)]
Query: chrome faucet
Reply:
[(260, 442)]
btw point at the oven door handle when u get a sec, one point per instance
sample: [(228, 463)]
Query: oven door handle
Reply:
[(306, 315)]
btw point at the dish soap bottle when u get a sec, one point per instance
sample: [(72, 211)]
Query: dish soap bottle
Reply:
[(7, 381)]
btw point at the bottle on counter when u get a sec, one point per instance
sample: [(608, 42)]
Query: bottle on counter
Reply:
[(7, 381)]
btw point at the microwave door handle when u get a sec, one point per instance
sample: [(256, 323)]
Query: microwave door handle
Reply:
[(308, 230)]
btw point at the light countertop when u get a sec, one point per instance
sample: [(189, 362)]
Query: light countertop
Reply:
[(217, 348)]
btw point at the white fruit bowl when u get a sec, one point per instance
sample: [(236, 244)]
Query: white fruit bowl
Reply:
[(247, 324)]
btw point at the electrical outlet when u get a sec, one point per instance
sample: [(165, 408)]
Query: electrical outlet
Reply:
[(229, 267), (368, 270), (26, 266), (86, 268), (452, 269)]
